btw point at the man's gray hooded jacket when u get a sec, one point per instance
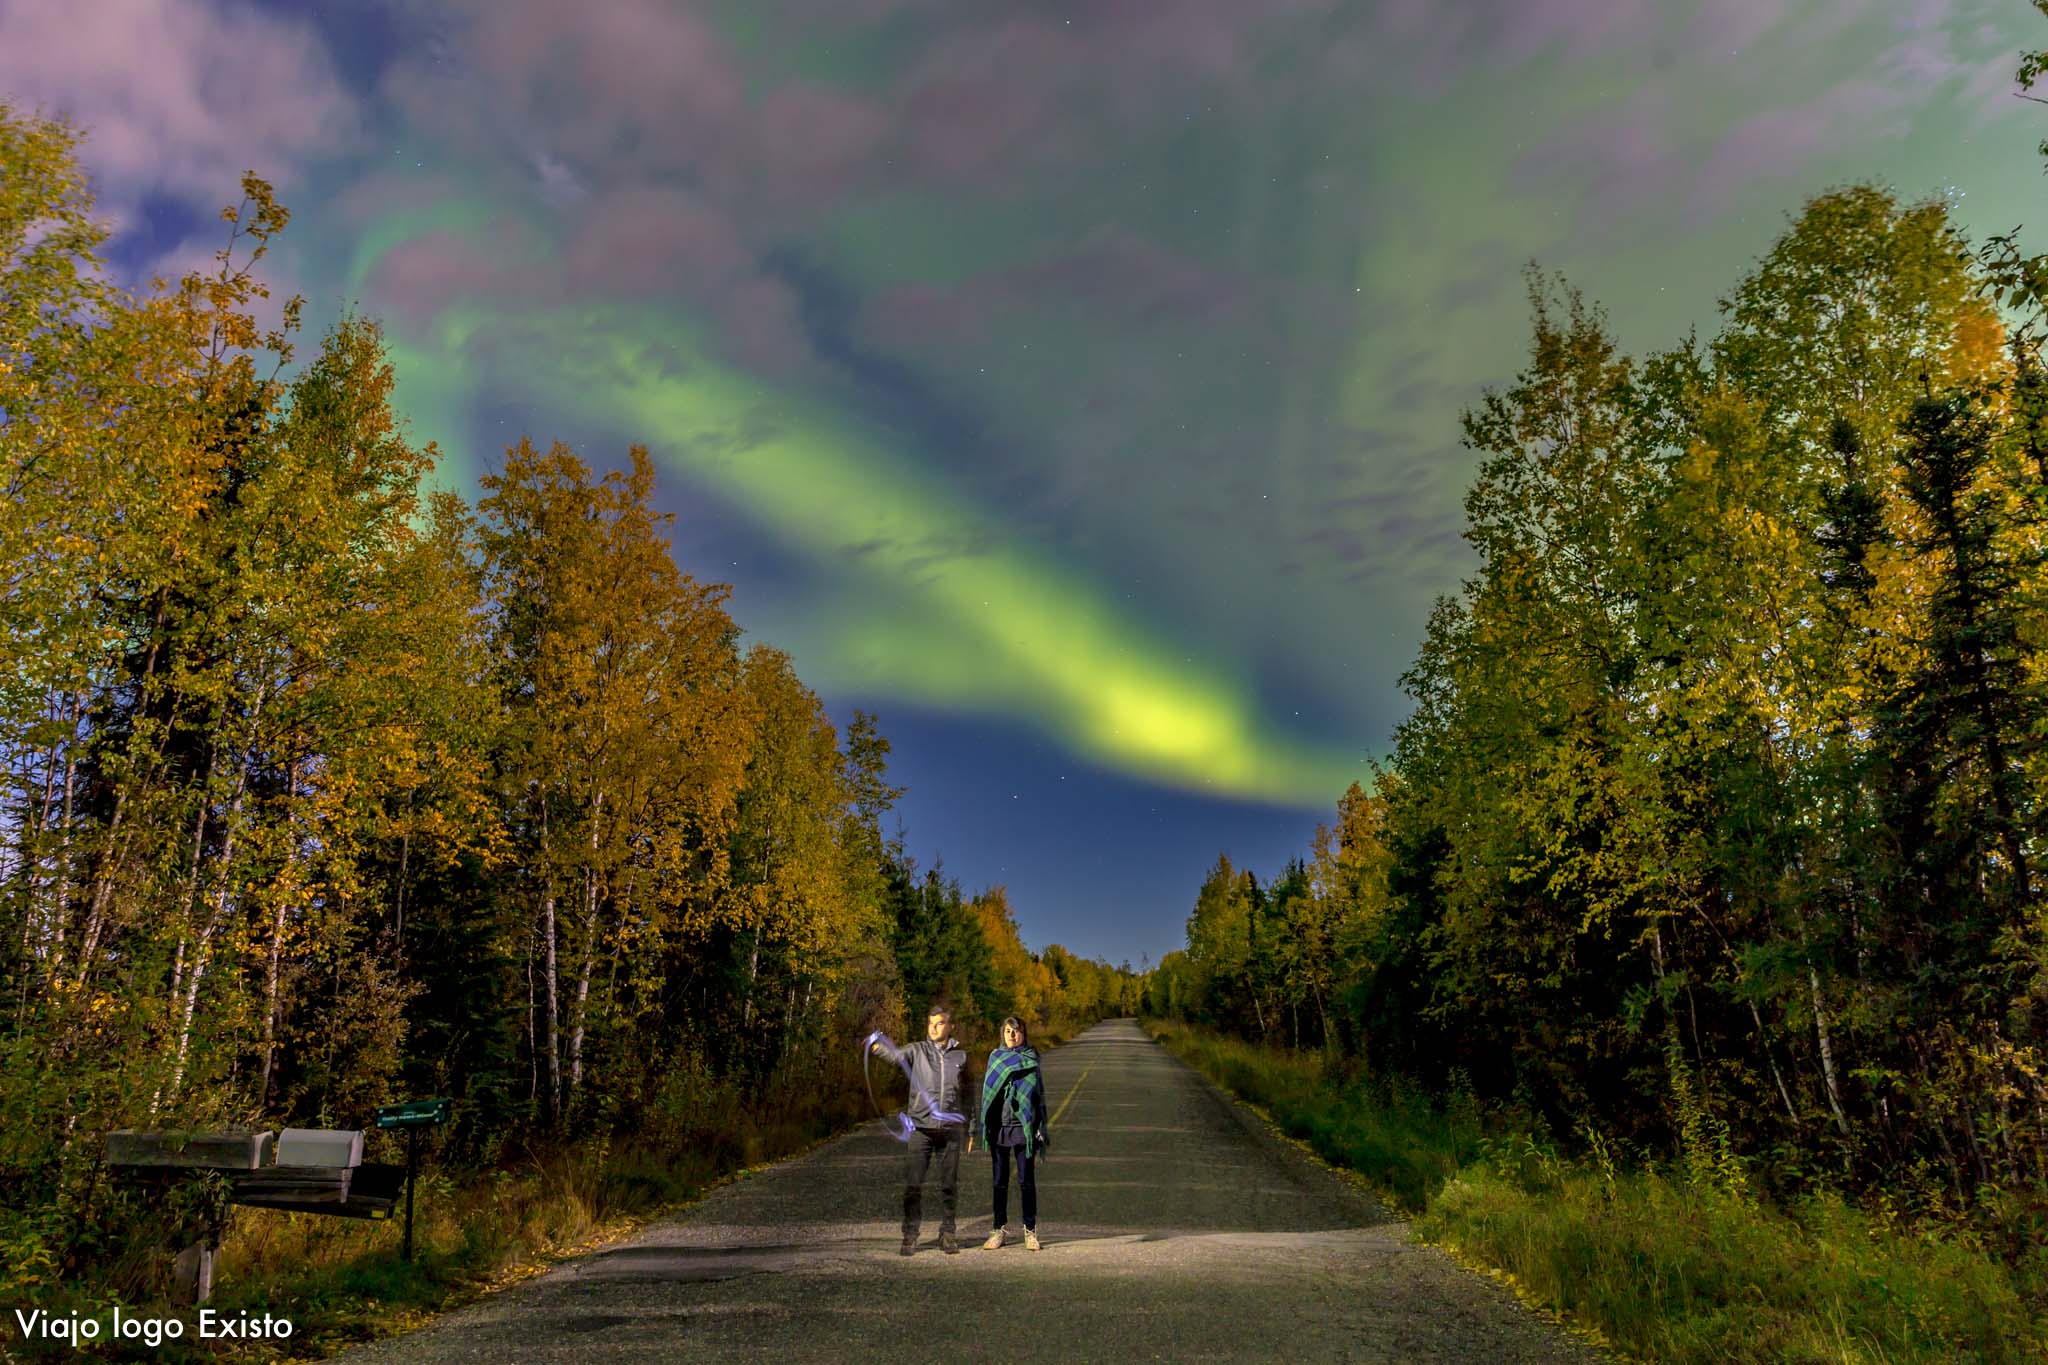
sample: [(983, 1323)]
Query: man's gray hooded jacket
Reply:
[(938, 1072)]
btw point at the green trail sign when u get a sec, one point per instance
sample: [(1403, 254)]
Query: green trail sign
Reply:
[(414, 1114)]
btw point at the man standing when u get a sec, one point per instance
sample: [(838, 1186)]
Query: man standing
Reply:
[(943, 1119)]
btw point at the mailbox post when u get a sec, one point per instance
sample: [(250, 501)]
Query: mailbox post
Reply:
[(412, 1116), (158, 1159)]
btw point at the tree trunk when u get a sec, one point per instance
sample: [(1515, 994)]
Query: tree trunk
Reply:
[(398, 909), (549, 1001), (115, 849), (1764, 1042), (22, 872), (580, 1013), (753, 973), (270, 1007), (270, 976), (190, 897), (1827, 1053), (63, 899), (589, 933), (203, 951), (41, 908)]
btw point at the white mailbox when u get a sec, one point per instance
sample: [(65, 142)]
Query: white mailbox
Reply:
[(320, 1147), (234, 1150)]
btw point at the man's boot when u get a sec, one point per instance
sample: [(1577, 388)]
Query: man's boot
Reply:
[(909, 1243), (947, 1242)]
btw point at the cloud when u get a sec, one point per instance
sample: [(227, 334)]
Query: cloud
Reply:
[(1777, 144), (1121, 278), (640, 239), (634, 90), (419, 278), (1421, 47), (1142, 280), (633, 93), (637, 80), (422, 253), (1672, 148), (1721, 32), (814, 144), (179, 97), (1636, 159)]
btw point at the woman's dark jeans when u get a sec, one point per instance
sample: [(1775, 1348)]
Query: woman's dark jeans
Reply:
[(1027, 1183)]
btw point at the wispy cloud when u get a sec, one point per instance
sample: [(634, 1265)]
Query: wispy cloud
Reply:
[(179, 97)]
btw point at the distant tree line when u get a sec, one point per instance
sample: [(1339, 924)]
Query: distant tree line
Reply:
[(320, 790), (1722, 811)]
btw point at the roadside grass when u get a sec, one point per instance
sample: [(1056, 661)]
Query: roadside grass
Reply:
[(1661, 1262)]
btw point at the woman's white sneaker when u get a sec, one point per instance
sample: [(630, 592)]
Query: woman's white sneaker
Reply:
[(995, 1240), (1030, 1240)]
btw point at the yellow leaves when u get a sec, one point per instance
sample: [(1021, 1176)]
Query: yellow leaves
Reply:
[(1977, 353)]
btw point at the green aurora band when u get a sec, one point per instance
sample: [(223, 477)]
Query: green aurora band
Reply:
[(993, 625)]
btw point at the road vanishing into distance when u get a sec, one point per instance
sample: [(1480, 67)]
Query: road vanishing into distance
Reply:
[(1175, 1227)]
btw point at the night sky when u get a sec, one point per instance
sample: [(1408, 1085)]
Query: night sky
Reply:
[(1073, 385)]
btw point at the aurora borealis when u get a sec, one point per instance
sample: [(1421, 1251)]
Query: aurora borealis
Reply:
[(1074, 385)]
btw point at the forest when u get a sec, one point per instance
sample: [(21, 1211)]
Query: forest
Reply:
[(1718, 825), (324, 789), (1716, 833)]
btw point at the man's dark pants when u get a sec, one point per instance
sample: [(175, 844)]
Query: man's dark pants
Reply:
[(924, 1145)]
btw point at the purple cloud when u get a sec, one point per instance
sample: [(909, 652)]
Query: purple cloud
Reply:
[(417, 279), (1422, 47), (637, 239), (1721, 32), (179, 98), (1118, 275), (1636, 155), (1777, 143)]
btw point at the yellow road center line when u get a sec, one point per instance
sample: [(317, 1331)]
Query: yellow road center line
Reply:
[(1070, 1097)]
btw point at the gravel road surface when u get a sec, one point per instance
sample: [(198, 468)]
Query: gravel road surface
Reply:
[(1175, 1227)]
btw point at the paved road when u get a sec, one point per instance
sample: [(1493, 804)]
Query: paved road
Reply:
[(1175, 1228)]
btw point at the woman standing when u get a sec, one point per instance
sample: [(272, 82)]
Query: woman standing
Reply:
[(1013, 1117)]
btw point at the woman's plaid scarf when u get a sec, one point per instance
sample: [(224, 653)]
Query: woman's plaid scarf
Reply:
[(1013, 1074)]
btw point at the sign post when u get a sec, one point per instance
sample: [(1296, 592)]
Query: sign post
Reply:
[(412, 1116)]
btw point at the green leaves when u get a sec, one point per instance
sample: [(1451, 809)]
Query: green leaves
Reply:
[(2032, 64)]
